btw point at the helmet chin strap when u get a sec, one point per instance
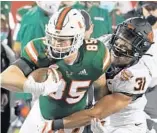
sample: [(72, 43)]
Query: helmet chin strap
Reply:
[(149, 55), (131, 63), (135, 60)]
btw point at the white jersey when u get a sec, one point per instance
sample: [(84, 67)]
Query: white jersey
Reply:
[(133, 80), (152, 63)]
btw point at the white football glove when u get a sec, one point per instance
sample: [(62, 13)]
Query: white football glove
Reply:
[(44, 88), (96, 126)]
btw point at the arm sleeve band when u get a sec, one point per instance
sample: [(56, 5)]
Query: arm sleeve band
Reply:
[(58, 124), (25, 66)]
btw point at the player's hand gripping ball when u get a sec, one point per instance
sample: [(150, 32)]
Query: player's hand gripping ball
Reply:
[(41, 74)]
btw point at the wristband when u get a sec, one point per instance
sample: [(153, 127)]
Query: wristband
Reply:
[(57, 124)]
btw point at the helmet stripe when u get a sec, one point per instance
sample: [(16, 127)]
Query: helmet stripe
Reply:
[(32, 52), (150, 37), (61, 18)]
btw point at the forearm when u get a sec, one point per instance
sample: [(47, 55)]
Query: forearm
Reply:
[(103, 108), (111, 104), (78, 119), (13, 79)]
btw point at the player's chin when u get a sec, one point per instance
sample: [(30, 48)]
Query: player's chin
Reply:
[(115, 60), (116, 64), (118, 61)]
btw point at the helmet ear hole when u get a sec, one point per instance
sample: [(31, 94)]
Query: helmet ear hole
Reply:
[(136, 54), (146, 46)]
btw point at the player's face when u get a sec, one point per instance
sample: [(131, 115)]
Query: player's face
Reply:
[(122, 47), (61, 45)]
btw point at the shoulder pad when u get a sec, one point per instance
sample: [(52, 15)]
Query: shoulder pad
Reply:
[(33, 49), (126, 75), (132, 80)]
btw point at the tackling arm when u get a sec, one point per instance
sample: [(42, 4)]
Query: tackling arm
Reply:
[(106, 106), (13, 79)]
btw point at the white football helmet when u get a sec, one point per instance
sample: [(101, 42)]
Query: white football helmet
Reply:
[(66, 25), (49, 6)]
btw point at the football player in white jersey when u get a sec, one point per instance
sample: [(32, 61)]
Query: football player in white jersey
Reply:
[(127, 80), (151, 94)]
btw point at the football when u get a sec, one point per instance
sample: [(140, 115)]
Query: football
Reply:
[(41, 74)]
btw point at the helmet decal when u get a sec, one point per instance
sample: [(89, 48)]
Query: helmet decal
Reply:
[(61, 18)]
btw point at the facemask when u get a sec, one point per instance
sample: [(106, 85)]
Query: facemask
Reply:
[(4, 35)]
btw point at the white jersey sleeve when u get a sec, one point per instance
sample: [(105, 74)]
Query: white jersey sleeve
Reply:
[(151, 61), (105, 39), (133, 80)]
